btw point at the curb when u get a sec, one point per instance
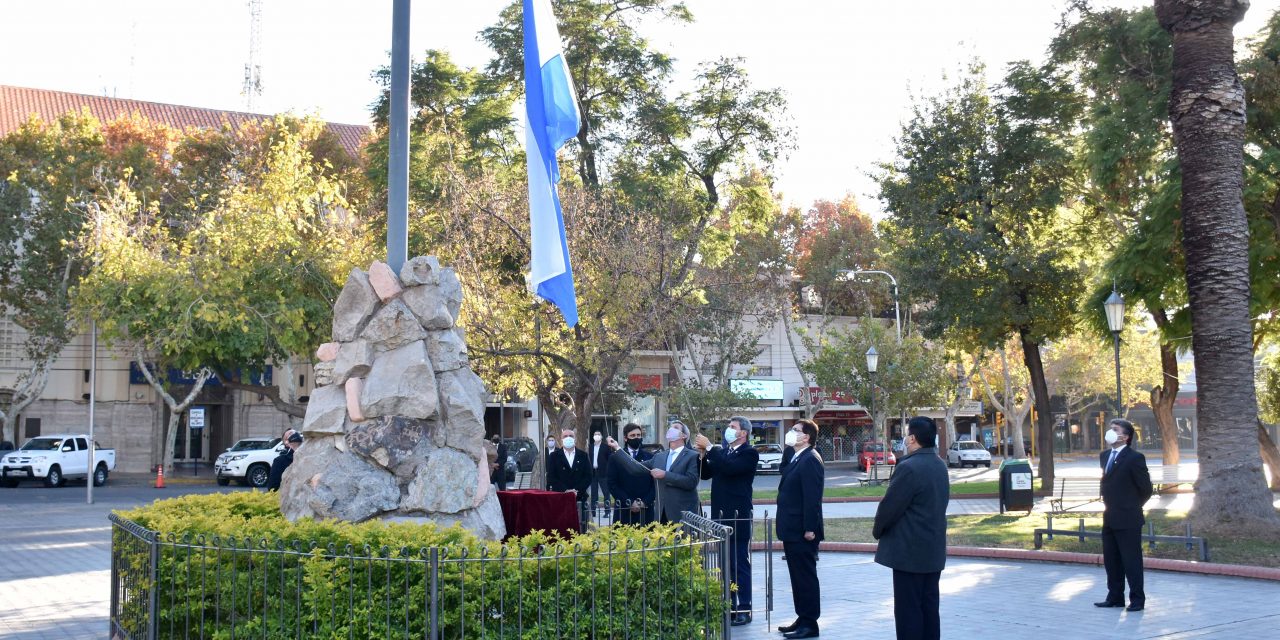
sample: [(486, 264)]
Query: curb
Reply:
[(1068, 557)]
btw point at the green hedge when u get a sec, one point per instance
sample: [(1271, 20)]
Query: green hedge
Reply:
[(231, 566)]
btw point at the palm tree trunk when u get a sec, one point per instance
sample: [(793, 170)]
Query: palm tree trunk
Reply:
[(1207, 109)]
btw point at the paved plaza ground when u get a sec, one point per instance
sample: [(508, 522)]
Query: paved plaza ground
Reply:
[(55, 550)]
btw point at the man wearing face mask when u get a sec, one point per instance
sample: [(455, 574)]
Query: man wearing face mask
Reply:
[(911, 526), (675, 471), (732, 470), (633, 493), (568, 470), (599, 468), (799, 527), (1126, 487)]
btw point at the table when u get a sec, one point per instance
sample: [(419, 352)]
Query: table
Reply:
[(527, 510)]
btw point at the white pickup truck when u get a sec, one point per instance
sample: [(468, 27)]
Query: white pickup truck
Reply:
[(248, 462), (54, 459)]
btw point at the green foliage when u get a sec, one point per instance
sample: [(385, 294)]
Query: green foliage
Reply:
[(705, 405), (233, 559)]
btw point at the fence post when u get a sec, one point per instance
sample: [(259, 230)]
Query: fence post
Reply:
[(768, 568), (725, 578), (153, 587), (435, 593), (115, 584)]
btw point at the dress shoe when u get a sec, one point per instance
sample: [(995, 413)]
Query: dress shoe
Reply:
[(1135, 607), (802, 632), (741, 618), (789, 627), (1106, 604)]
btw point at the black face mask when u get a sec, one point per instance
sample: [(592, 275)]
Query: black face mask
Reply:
[(634, 443)]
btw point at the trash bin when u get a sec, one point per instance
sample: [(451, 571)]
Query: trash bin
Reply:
[(1016, 493)]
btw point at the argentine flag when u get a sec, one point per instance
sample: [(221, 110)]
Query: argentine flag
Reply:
[(553, 119)]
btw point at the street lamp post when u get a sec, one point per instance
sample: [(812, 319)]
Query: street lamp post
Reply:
[(1114, 307), (873, 361)]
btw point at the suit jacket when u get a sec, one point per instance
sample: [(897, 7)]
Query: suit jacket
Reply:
[(601, 468), (731, 473), (627, 488), (800, 497), (678, 490), (911, 520), (1125, 489), (560, 477)]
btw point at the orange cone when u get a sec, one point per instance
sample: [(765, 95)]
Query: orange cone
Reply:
[(160, 477)]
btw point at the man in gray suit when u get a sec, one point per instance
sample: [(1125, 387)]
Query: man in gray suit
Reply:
[(674, 471)]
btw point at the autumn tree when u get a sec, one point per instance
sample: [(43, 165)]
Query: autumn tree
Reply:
[(1207, 110)]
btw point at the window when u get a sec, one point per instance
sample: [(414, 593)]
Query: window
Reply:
[(82, 444), (33, 428)]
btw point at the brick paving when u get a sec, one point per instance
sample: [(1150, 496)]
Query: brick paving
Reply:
[(55, 554)]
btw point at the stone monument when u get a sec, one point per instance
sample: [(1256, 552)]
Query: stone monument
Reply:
[(395, 427)]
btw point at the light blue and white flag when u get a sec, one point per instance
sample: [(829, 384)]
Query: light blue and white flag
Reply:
[(553, 119)]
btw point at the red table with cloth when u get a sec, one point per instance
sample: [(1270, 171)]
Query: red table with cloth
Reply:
[(527, 510)]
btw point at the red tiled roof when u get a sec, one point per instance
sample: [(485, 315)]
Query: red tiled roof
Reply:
[(17, 104)]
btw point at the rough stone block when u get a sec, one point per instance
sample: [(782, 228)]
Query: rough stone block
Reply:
[(451, 291), (355, 306), (420, 270), (326, 411), (401, 384), (397, 444), (484, 521), (323, 372), (355, 359), (384, 281), (351, 392), (327, 352), (429, 306), (462, 398), (445, 483), (392, 327), (324, 482), (446, 350)]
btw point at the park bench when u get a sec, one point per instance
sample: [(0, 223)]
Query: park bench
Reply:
[(1073, 493), (1191, 541), (1170, 480), (524, 480)]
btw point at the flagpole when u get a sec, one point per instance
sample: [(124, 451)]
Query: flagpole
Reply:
[(398, 139)]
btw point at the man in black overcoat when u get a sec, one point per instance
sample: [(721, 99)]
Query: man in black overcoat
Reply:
[(732, 470), (633, 494), (1126, 487)]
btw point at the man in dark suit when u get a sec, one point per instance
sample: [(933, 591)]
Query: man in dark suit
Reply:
[(569, 470), (911, 526), (599, 470), (1126, 487), (675, 471), (500, 474), (799, 527), (732, 470), (292, 440), (632, 494)]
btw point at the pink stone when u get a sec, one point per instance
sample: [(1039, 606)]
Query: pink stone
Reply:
[(353, 387), (328, 352), (384, 281)]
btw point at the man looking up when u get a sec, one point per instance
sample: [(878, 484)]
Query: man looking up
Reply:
[(1126, 487), (732, 470)]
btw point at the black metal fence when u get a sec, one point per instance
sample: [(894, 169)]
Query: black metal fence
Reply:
[(164, 586)]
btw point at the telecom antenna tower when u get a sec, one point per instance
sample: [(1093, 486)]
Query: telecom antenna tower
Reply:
[(253, 68)]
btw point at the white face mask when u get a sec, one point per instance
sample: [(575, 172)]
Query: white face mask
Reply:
[(1111, 437), (551, 444), (568, 442), (730, 434), (597, 437), (790, 440)]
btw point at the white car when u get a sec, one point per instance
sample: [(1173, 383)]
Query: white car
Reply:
[(967, 452), (55, 458), (770, 458), (248, 462)]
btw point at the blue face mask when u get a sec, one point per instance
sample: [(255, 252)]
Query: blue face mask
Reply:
[(730, 434)]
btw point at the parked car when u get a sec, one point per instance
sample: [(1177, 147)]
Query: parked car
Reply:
[(770, 458), (873, 452), (967, 452), (54, 459), (1006, 448), (525, 452), (248, 461)]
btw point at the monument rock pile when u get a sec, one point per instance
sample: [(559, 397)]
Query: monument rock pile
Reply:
[(395, 426)]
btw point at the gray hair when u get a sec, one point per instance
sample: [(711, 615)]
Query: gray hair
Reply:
[(742, 422)]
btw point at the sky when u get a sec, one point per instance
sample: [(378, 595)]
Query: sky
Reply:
[(849, 68)]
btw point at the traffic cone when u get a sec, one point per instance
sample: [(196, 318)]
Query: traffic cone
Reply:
[(160, 477)]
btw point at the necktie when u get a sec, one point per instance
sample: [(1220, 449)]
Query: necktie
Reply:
[(1111, 461), (671, 458)]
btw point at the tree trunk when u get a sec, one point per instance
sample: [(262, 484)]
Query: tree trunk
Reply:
[(1270, 454), (30, 387), (1207, 109), (1164, 395), (175, 408), (1040, 395)]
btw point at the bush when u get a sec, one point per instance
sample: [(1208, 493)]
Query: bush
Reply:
[(231, 565)]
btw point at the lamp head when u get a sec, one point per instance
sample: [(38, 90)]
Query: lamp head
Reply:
[(1114, 307), (873, 359)]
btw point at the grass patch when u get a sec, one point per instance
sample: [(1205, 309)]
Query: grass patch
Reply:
[(1016, 532)]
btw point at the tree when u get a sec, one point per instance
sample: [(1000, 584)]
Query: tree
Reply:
[(838, 237), (908, 375), (699, 405), (50, 173), (972, 198), (1207, 109), (224, 283), (1014, 400)]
